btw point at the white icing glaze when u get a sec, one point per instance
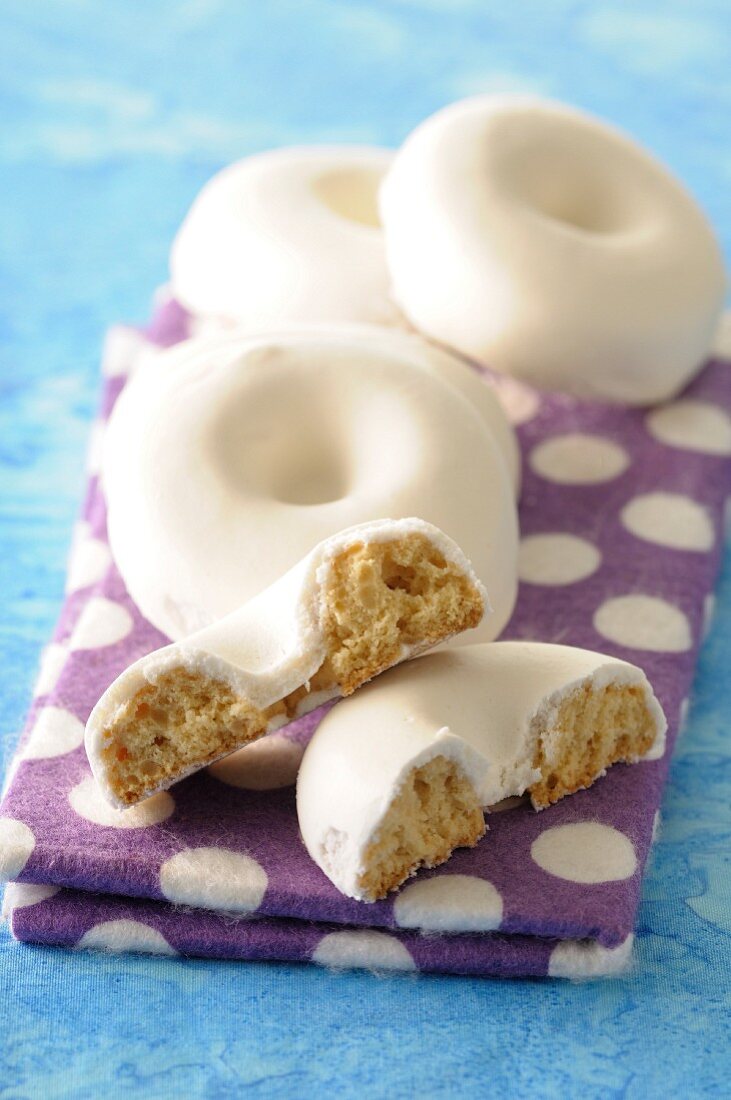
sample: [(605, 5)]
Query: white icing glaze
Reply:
[(473, 705), (267, 648), (539, 240), (287, 236), (228, 459)]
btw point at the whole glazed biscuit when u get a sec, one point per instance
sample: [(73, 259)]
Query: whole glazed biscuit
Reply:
[(228, 459), (550, 246), (290, 236)]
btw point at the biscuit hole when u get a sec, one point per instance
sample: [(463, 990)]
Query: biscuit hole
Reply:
[(351, 193)]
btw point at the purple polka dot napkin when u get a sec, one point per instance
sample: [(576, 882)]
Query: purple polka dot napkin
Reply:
[(622, 530)]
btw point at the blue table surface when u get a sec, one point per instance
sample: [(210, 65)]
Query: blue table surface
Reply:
[(112, 117)]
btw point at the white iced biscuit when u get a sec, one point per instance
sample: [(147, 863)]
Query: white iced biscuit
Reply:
[(549, 245), (228, 459), (397, 777), (286, 237), (355, 605)]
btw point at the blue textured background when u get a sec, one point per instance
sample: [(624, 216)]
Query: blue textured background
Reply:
[(112, 115)]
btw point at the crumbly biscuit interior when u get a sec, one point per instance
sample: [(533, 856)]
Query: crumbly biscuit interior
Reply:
[(181, 722), (381, 597), (378, 598), (592, 729), (435, 811)]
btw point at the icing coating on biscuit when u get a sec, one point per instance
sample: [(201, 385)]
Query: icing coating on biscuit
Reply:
[(228, 459), (397, 777), (550, 246), (290, 236), (359, 603)]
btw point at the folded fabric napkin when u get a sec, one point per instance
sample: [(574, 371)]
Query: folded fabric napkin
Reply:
[(622, 523)]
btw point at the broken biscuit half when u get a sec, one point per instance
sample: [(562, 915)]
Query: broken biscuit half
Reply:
[(359, 603), (397, 777)]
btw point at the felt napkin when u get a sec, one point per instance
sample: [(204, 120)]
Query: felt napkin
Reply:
[(621, 520)]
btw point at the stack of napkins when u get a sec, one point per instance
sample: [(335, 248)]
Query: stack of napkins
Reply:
[(622, 528)]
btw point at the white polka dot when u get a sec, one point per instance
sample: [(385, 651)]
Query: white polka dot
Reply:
[(199, 325), (449, 903), (692, 426), (519, 402), (656, 826), (587, 959), (669, 519), (53, 659), (214, 878), (16, 847), (125, 935), (709, 610), (585, 852), (722, 338), (81, 531), (21, 895), (644, 622), (122, 348), (10, 772), (266, 765), (366, 949), (577, 459), (556, 559), (55, 732), (88, 802), (102, 622), (89, 562), (95, 447)]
